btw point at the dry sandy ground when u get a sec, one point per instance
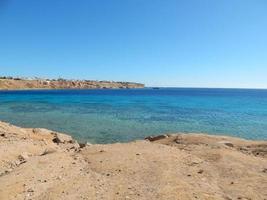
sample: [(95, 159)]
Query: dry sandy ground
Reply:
[(41, 164)]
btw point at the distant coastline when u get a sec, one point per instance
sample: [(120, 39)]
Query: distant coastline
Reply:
[(10, 83)]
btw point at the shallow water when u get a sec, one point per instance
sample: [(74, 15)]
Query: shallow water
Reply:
[(104, 116)]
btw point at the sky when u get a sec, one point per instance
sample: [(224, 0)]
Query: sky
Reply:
[(187, 43)]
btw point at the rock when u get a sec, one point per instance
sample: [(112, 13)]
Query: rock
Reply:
[(48, 151), (154, 138), (17, 162), (178, 139), (30, 190), (23, 156), (200, 171), (62, 138), (229, 144), (82, 145), (41, 131), (8, 171), (72, 146), (226, 143)]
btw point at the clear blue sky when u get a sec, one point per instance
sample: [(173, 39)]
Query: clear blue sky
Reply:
[(190, 43)]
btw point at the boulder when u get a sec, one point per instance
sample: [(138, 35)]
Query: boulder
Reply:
[(154, 138), (82, 145), (62, 138)]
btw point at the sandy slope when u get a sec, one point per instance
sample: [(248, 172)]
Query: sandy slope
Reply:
[(41, 164)]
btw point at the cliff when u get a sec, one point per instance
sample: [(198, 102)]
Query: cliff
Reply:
[(17, 84), (42, 164)]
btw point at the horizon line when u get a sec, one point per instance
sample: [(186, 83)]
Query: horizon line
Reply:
[(196, 87)]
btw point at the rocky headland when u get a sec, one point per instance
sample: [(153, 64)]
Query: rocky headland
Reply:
[(43, 164), (9, 83)]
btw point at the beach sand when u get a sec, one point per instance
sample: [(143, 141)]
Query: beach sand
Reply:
[(42, 164)]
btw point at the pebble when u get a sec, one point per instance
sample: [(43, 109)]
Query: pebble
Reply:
[(30, 190), (48, 151), (17, 162)]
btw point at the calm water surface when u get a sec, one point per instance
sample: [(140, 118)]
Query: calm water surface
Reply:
[(104, 116)]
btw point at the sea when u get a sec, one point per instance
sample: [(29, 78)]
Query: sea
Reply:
[(121, 115)]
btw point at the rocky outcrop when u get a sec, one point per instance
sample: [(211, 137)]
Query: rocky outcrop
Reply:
[(11, 84), (43, 164)]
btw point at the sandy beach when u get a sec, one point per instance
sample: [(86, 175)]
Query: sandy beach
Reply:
[(42, 164)]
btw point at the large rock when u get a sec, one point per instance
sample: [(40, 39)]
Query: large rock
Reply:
[(62, 138), (154, 138)]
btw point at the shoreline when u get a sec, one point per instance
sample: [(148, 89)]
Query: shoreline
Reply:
[(42, 164), (160, 136), (151, 138), (166, 134), (53, 89)]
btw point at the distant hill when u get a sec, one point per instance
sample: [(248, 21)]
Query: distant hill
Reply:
[(9, 83)]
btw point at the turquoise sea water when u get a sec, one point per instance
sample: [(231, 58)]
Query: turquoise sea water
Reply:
[(104, 116)]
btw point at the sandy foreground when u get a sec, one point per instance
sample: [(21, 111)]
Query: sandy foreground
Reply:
[(42, 164)]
